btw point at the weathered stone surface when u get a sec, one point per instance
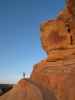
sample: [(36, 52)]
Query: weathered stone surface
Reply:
[(54, 77), (24, 90), (70, 85), (58, 76), (57, 72), (58, 33), (71, 6), (54, 35)]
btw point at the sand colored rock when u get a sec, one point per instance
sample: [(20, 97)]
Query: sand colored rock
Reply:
[(24, 90), (54, 77), (70, 86), (58, 76), (57, 72)]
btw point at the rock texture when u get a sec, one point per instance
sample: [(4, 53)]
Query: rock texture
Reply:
[(54, 77), (24, 90), (58, 76), (57, 72)]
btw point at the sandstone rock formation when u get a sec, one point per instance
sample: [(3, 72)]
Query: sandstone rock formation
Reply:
[(57, 72), (24, 90), (53, 78)]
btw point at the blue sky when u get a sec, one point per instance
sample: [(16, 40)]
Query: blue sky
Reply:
[(20, 46)]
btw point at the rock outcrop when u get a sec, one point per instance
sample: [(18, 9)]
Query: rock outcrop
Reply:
[(57, 72), (24, 90), (54, 77)]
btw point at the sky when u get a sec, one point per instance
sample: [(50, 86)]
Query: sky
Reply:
[(20, 45)]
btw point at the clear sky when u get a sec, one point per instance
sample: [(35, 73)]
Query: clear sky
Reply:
[(20, 46)]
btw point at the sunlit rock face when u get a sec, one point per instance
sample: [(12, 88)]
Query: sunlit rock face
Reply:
[(24, 90), (54, 77), (57, 72), (58, 76)]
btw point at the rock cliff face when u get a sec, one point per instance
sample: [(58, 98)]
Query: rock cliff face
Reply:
[(54, 77), (24, 90), (58, 76), (57, 72)]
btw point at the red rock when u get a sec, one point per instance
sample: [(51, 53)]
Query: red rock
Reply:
[(54, 77), (57, 72)]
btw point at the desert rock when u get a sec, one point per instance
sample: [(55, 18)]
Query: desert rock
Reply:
[(24, 90)]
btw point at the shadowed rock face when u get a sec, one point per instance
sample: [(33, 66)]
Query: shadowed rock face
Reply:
[(70, 85), (46, 93), (59, 33), (71, 6)]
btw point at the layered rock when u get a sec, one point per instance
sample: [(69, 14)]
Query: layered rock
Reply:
[(54, 77), (57, 76), (24, 90), (57, 72)]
